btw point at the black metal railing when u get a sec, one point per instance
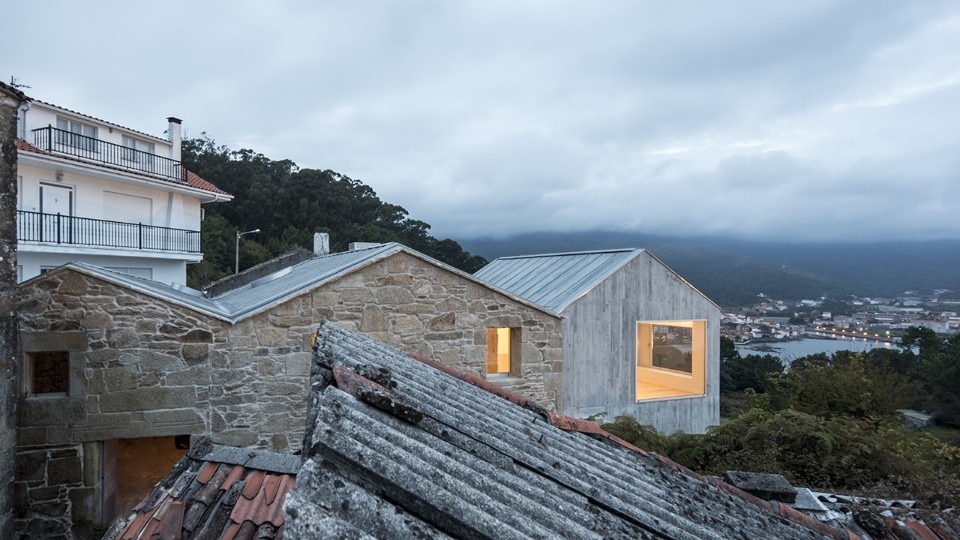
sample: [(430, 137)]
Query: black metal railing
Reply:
[(77, 231), (60, 141)]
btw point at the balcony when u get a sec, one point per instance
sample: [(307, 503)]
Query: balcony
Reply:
[(57, 229), (59, 141)]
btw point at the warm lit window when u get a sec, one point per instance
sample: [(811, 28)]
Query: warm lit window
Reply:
[(502, 347), (671, 359), (48, 373)]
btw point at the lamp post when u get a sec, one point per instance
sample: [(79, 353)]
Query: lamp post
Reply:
[(236, 259)]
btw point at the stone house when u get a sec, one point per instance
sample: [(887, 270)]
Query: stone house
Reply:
[(116, 367), (638, 339)]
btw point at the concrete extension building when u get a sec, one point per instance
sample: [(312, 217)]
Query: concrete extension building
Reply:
[(96, 192), (638, 340), (117, 367)]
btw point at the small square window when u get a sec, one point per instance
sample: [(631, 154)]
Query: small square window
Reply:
[(49, 373), (503, 345)]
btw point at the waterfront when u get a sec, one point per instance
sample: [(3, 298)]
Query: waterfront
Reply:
[(788, 351)]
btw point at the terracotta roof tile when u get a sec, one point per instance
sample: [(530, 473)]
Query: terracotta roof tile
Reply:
[(201, 497)]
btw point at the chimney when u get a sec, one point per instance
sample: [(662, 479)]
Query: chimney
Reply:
[(173, 133), (321, 243)]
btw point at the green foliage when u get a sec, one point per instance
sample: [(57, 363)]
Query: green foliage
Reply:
[(808, 450), (940, 372), (845, 384), (289, 205), (753, 371)]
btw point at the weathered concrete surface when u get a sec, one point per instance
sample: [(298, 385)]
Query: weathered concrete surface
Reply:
[(10, 99)]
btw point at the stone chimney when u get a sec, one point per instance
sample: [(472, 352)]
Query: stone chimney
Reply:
[(321, 243), (173, 134)]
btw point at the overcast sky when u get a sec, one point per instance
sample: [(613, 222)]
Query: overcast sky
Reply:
[(802, 120)]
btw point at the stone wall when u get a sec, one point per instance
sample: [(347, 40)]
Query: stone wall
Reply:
[(144, 367), (422, 308), (10, 99)]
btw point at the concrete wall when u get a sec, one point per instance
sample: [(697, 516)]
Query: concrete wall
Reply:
[(141, 367), (600, 353)]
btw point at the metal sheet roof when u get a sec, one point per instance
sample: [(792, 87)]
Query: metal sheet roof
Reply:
[(555, 280), (277, 287), (253, 297)]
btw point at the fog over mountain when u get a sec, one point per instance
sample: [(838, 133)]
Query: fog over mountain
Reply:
[(735, 272)]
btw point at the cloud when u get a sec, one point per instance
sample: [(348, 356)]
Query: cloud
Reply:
[(809, 120)]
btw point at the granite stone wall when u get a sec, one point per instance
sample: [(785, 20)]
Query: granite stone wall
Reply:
[(144, 367)]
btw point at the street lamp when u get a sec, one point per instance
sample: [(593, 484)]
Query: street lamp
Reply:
[(236, 259)]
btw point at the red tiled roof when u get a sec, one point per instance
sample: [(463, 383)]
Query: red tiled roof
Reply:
[(199, 183), (193, 180), (208, 494)]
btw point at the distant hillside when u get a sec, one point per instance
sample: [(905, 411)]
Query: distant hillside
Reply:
[(735, 272)]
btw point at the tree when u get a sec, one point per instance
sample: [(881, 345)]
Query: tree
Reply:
[(289, 205)]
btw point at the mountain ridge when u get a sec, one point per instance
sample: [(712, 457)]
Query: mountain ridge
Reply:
[(735, 272)]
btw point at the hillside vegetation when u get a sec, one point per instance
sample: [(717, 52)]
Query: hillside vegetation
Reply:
[(831, 422), (289, 205)]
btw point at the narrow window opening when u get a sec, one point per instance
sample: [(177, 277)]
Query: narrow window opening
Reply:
[(502, 345)]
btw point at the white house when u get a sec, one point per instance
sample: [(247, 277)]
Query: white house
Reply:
[(95, 192)]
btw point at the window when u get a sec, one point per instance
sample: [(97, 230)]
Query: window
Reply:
[(503, 346), (138, 151), (77, 134), (671, 359), (48, 373)]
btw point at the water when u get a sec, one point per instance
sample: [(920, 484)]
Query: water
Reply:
[(788, 351)]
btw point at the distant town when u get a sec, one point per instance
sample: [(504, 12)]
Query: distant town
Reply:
[(881, 319)]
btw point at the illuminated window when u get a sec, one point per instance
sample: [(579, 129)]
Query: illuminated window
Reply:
[(671, 359), (502, 347), (48, 373)]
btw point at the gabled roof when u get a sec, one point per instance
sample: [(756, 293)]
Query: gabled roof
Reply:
[(273, 289), (193, 180), (395, 448), (215, 492), (557, 280)]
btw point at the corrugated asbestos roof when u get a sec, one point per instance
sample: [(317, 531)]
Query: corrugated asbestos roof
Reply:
[(215, 492), (555, 280), (396, 449)]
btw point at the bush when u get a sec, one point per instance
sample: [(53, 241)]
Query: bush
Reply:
[(826, 453)]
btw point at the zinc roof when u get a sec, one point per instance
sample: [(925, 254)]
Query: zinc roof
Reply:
[(270, 290), (555, 280)]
